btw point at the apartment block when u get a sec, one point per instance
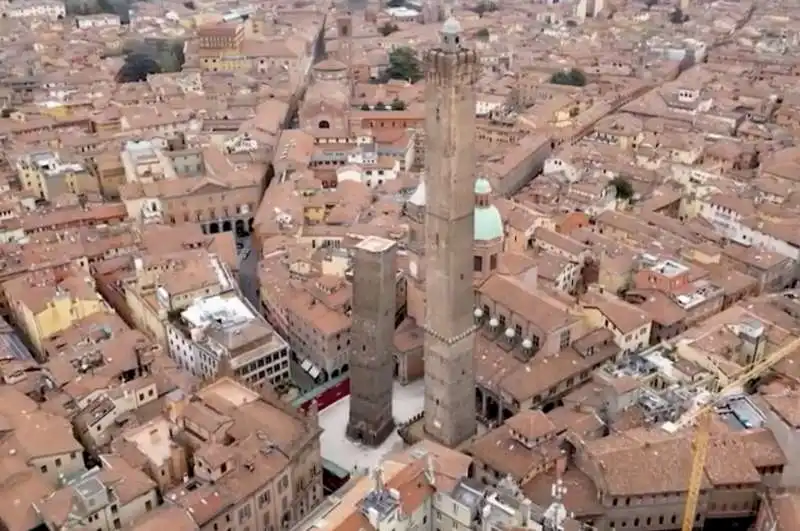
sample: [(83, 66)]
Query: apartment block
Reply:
[(225, 328), (256, 460), (43, 305), (107, 497)]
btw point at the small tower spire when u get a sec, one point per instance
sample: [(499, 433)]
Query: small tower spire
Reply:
[(451, 35)]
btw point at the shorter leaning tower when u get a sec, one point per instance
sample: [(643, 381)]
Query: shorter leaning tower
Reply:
[(372, 332)]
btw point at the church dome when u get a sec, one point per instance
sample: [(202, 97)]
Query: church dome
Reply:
[(330, 65), (482, 186), (488, 222), (451, 26)]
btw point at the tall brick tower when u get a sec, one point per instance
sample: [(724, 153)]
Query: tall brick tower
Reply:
[(451, 72), (372, 340), (344, 29)]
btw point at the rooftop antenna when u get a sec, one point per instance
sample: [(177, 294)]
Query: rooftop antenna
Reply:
[(556, 514), (377, 475)]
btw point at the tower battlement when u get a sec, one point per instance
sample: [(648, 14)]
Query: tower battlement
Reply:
[(441, 66)]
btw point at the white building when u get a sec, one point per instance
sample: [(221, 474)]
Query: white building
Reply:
[(748, 230), (100, 20), (226, 326), (486, 102), (48, 9), (403, 14), (369, 168)]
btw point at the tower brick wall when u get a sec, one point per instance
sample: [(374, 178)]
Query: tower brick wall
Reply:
[(451, 73), (372, 341)]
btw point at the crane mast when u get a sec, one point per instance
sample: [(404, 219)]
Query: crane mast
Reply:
[(702, 419)]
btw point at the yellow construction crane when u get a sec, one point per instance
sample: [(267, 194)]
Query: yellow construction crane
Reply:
[(702, 418)]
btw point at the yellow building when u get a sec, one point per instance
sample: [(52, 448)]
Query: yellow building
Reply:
[(630, 325), (47, 176), (41, 306), (227, 47)]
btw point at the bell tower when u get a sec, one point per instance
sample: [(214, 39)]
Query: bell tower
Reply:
[(344, 32), (451, 72)]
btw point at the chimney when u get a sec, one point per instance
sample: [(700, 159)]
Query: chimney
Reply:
[(561, 465), (430, 471)]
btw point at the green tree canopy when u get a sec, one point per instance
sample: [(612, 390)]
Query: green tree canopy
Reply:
[(398, 105), (93, 7), (623, 187), (485, 6), (482, 34), (387, 28), (573, 77), (151, 56), (403, 64), (137, 67), (677, 16)]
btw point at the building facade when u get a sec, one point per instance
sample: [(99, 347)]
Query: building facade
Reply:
[(220, 328)]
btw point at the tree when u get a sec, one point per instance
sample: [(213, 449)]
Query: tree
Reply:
[(189, 4), (387, 29), (364, 106), (403, 64), (623, 187), (485, 6), (151, 56), (398, 105), (677, 16), (396, 3), (93, 7), (573, 77), (482, 34), (137, 67), (380, 106)]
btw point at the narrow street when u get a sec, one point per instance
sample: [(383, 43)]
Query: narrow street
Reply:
[(248, 271)]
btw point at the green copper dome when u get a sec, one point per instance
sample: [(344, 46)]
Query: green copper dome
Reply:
[(482, 186), (488, 223)]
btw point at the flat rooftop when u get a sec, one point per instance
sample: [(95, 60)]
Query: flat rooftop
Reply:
[(219, 310), (153, 440), (231, 391), (670, 268), (375, 244), (407, 401)]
